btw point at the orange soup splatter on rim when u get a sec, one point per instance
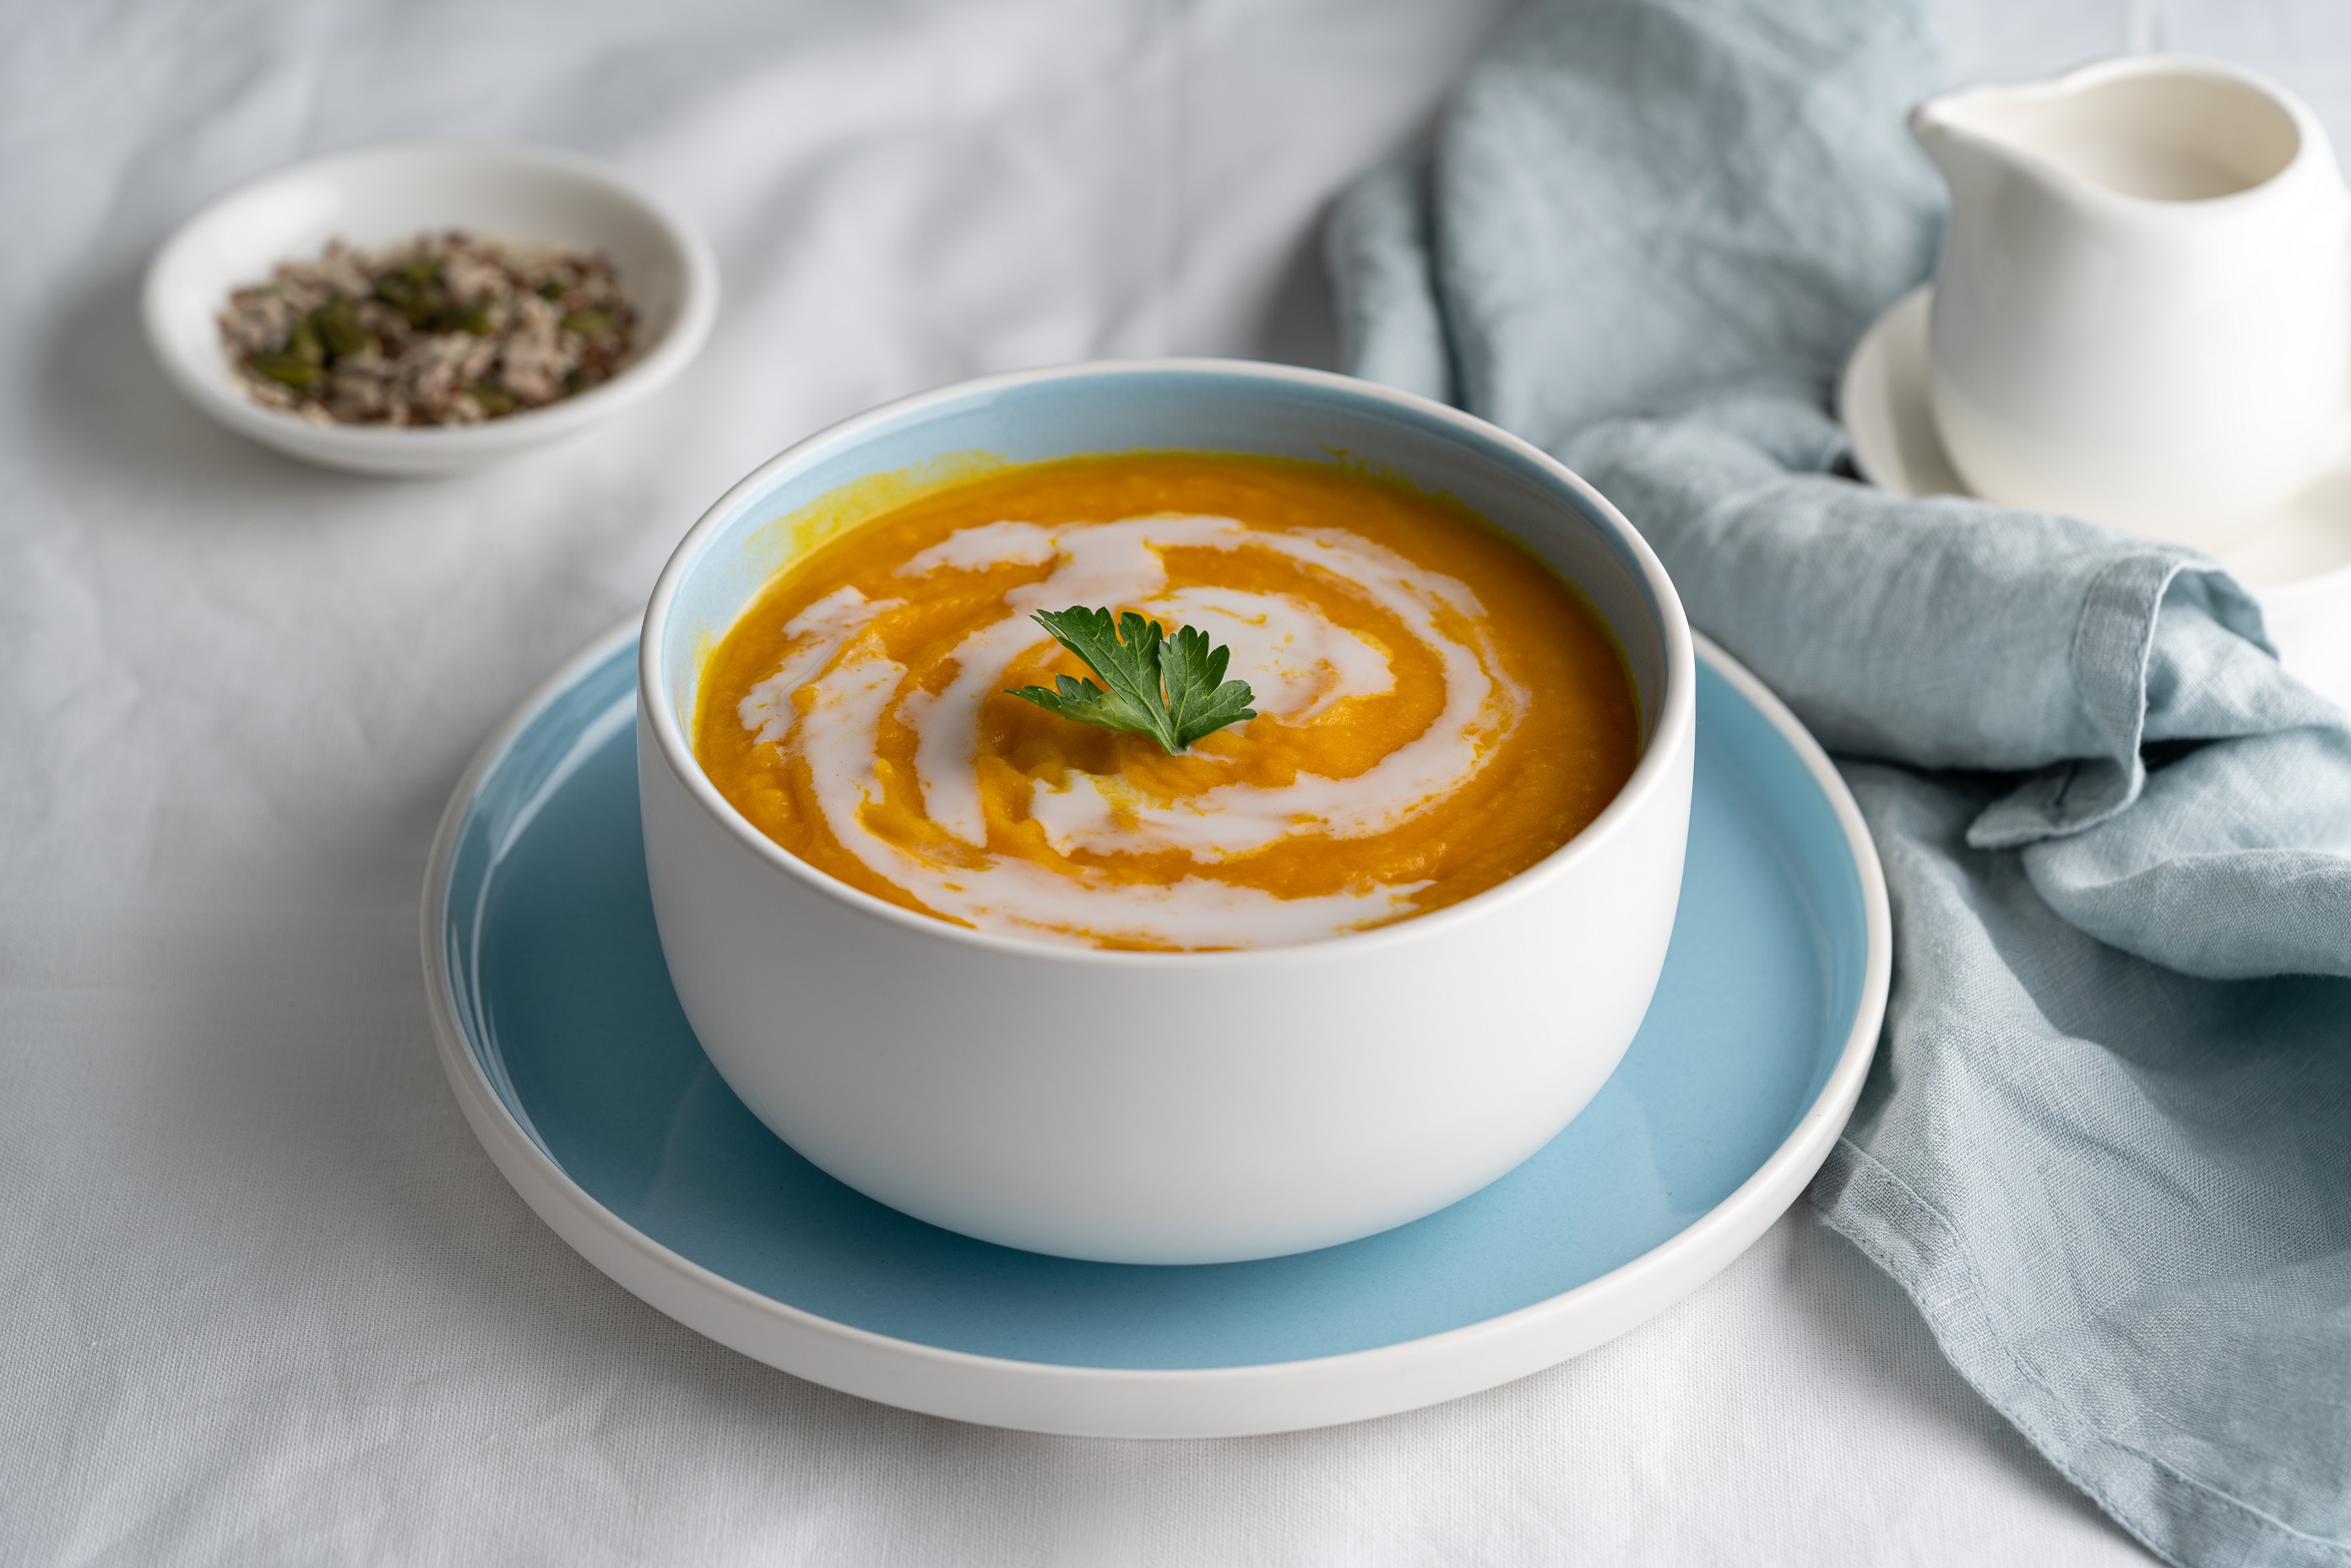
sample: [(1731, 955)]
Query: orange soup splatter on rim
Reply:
[(1437, 709)]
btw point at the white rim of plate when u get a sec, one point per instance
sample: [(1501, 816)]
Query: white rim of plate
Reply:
[(1121, 1402)]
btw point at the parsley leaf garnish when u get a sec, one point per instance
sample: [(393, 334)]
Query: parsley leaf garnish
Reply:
[(1171, 689)]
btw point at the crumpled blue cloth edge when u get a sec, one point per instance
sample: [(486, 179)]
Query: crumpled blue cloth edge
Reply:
[(1903, 1234)]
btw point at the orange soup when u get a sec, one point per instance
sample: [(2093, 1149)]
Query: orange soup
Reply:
[(1437, 710)]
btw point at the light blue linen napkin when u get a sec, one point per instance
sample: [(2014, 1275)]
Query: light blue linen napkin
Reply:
[(2106, 1146)]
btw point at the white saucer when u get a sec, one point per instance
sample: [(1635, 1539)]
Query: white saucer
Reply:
[(2297, 562)]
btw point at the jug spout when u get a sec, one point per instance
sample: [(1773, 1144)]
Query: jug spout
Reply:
[(1958, 131)]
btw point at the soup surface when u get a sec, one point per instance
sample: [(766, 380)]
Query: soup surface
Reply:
[(1437, 710)]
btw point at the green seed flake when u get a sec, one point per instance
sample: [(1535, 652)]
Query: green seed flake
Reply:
[(473, 318), (303, 343), (337, 325), (286, 371)]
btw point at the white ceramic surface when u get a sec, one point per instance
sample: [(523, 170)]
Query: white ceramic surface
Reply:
[(2143, 309), (382, 195), (2296, 560), (1153, 1107)]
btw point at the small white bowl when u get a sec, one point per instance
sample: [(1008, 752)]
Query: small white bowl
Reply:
[(1164, 1107), (382, 196)]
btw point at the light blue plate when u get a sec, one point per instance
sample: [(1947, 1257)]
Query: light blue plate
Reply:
[(555, 977)]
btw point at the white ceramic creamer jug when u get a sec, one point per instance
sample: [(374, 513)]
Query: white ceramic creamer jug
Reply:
[(2142, 315)]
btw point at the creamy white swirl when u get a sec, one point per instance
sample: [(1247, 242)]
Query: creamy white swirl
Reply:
[(837, 683)]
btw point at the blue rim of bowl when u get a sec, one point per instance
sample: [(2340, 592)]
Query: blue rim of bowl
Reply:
[(1120, 1401), (638, 379), (1673, 733)]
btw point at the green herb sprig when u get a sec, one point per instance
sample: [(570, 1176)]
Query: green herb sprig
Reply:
[(1171, 689)]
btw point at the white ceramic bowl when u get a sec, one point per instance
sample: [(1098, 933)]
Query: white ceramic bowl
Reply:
[(382, 195), (1155, 1107)]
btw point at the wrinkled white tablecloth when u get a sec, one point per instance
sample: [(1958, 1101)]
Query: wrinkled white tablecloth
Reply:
[(262, 1298)]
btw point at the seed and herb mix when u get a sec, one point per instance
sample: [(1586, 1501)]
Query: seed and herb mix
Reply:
[(444, 330)]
